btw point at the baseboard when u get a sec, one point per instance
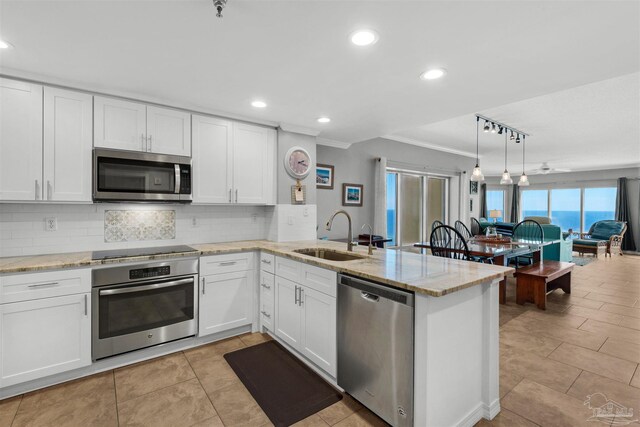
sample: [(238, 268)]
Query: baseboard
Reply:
[(479, 412)]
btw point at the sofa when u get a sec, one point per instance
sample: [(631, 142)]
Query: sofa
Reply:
[(604, 237), (561, 251)]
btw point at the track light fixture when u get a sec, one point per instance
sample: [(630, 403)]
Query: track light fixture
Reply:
[(510, 133), (477, 172)]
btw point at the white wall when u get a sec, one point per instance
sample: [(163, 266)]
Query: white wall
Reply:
[(356, 165), (81, 227)]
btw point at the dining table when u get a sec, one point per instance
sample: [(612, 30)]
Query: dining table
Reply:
[(500, 253)]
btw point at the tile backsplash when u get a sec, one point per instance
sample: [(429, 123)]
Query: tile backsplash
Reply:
[(84, 227), (127, 226)]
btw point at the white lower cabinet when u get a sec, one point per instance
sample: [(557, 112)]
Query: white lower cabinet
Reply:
[(305, 319), (45, 336), (226, 299)]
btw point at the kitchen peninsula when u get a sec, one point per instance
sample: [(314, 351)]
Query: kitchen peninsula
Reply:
[(455, 318)]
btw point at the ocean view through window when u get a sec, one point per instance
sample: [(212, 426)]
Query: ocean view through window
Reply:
[(599, 204)]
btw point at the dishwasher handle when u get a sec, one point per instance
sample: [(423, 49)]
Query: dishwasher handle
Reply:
[(375, 291), (369, 297)]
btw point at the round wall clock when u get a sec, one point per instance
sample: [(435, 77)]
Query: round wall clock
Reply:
[(297, 162)]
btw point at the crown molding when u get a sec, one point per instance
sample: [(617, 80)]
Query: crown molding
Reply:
[(333, 143), (429, 146), (288, 127)]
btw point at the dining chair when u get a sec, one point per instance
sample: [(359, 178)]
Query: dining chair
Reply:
[(436, 223), (463, 230), (531, 232), (446, 242), (475, 227)]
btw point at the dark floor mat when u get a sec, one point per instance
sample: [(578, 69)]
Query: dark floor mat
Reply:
[(286, 389)]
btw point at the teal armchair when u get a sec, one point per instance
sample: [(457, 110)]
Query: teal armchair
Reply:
[(604, 237)]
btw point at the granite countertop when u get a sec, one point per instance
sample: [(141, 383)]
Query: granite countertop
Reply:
[(422, 274)]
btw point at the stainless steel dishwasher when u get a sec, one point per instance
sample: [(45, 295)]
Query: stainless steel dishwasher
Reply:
[(375, 347)]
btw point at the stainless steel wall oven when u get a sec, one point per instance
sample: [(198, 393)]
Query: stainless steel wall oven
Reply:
[(141, 305)]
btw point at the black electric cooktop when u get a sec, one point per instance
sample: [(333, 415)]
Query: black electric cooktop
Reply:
[(133, 252)]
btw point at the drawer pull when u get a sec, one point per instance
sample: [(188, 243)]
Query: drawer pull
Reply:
[(43, 285), (264, 313), (265, 286), (228, 263), (86, 305), (265, 261)]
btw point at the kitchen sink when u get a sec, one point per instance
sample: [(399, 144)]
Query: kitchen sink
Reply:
[(329, 254)]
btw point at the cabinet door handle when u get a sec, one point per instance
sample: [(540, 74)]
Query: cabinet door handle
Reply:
[(43, 285), (227, 263), (265, 286), (203, 285), (230, 190), (150, 143), (265, 261), (300, 299), (143, 141), (296, 296), (86, 305), (36, 190), (49, 188), (236, 195), (264, 313)]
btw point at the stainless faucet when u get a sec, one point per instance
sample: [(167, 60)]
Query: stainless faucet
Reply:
[(350, 236), (370, 237)]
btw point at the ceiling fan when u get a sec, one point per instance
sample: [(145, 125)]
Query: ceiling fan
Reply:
[(545, 169)]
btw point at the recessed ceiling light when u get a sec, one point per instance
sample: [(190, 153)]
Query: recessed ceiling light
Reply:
[(258, 104), (433, 74), (364, 37), (5, 44), (324, 120)]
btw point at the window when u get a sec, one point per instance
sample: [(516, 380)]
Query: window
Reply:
[(392, 210), (535, 203), (414, 200), (565, 208), (573, 208), (599, 204), (495, 201)]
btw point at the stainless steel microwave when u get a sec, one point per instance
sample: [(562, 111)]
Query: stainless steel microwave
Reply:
[(138, 177)]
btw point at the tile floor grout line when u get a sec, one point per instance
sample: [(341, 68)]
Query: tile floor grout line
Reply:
[(15, 414), (603, 343), (633, 376), (574, 381), (203, 389)]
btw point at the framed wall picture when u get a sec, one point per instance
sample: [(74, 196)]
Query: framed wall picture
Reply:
[(352, 194), (324, 177), (473, 187)]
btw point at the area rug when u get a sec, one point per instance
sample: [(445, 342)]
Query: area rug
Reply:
[(582, 260), (286, 389)]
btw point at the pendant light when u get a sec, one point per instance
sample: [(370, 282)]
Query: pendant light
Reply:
[(477, 172), (506, 176), (524, 179)]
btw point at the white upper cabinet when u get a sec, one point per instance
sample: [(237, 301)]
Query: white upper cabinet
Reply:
[(168, 131), (126, 125), (119, 124), (253, 164), (212, 143), (233, 162), (20, 140), (67, 146)]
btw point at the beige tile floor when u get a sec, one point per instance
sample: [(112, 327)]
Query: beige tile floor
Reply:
[(587, 342)]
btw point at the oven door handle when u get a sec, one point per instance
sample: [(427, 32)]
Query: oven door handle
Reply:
[(130, 289)]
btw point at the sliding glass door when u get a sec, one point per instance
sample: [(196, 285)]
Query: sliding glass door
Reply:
[(414, 201)]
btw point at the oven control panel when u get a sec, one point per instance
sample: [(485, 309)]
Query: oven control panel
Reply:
[(144, 273)]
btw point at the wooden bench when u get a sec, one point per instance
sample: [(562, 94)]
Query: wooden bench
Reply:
[(536, 281)]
